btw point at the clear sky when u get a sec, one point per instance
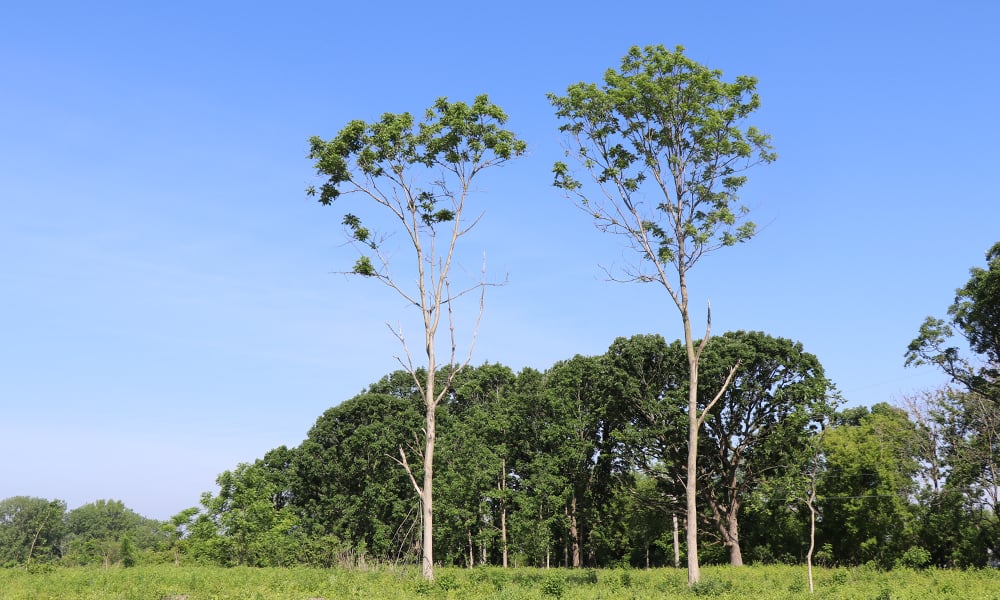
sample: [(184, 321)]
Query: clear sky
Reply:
[(169, 306)]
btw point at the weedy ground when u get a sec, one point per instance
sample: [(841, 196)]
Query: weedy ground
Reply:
[(168, 582)]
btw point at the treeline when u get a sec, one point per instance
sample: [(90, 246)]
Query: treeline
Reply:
[(36, 531), (583, 465)]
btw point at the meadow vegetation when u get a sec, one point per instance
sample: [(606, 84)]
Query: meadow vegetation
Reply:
[(489, 583)]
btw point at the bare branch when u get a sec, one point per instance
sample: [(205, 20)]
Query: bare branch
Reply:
[(719, 394), (409, 472)]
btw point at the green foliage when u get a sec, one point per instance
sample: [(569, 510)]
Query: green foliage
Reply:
[(915, 557), (554, 586), (380, 159), (126, 550), (345, 480), (865, 486), (975, 317), (666, 126), (96, 533), (711, 587), (31, 530), (240, 583)]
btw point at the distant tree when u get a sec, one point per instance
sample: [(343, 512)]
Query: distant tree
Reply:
[(423, 176), (30, 530), (663, 141), (966, 420), (870, 462), (176, 528), (94, 533), (578, 439)]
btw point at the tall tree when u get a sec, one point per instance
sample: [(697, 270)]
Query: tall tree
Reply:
[(422, 175), (670, 130)]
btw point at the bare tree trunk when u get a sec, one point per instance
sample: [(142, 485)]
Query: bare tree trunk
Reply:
[(691, 488), (34, 541), (812, 526), (503, 533), (427, 493), (677, 544), (503, 514), (472, 549)]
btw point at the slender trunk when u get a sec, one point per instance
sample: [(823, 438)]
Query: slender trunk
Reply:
[(427, 492), (677, 545), (812, 528), (472, 549), (691, 489), (34, 541), (574, 534), (503, 514)]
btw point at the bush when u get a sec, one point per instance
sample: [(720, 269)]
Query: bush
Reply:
[(914, 558), (554, 586)]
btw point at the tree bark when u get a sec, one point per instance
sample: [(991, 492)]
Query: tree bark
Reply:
[(427, 492), (733, 536), (503, 513), (691, 488), (574, 534), (677, 545)]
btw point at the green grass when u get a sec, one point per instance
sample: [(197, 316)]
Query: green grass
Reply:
[(215, 583)]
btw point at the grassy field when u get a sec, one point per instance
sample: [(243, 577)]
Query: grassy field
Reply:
[(166, 582)]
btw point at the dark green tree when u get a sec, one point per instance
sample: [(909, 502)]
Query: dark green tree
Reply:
[(420, 175), (347, 483), (31, 530), (763, 424), (663, 140), (478, 461)]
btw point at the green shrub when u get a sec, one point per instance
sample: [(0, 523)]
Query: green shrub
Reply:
[(554, 586), (914, 558), (711, 587)]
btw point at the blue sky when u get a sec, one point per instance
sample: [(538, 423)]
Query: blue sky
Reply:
[(170, 306)]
